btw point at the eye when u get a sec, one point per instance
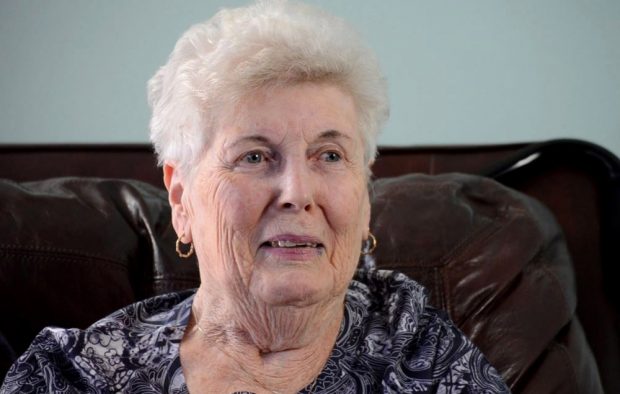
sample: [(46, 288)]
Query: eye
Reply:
[(331, 156), (254, 157)]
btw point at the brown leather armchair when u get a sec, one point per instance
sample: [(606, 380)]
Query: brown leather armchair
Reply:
[(534, 292)]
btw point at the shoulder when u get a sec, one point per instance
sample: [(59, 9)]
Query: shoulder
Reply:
[(105, 355), (147, 314), (419, 347), (388, 298), (441, 358)]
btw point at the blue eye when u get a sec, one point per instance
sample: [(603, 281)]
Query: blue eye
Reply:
[(254, 158), (331, 156)]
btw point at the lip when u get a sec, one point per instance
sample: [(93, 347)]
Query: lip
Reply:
[(294, 238), (296, 253)]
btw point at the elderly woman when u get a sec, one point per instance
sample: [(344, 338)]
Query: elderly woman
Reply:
[(265, 121)]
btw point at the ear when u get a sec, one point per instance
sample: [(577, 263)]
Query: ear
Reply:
[(176, 186)]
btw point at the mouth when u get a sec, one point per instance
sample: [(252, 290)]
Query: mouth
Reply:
[(292, 242)]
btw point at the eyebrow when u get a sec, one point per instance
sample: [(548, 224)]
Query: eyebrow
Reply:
[(326, 135), (251, 138), (332, 135)]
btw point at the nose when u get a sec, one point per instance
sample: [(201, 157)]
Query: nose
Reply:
[(296, 188)]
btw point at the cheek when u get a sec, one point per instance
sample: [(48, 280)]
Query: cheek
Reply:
[(349, 209), (348, 216), (240, 206), (226, 213), (224, 204)]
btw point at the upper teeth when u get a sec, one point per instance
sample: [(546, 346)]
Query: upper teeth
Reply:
[(290, 244)]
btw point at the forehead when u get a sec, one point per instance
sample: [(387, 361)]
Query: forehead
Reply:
[(302, 109)]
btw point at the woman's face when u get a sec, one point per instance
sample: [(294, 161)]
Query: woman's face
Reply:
[(277, 207)]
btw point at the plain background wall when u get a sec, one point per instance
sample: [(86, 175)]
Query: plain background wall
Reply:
[(460, 72)]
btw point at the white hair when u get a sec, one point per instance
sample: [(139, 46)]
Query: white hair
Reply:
[(237, 51)]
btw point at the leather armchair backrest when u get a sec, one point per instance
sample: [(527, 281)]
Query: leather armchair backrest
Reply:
[(74, 249), (496, 260)]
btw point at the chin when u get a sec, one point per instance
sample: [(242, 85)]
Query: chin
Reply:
[(297, 289)]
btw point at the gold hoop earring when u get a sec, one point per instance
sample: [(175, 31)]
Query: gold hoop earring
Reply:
[(178, 248), (369, 245)]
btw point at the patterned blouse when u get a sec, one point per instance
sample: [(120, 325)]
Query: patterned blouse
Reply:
[(389, 342)]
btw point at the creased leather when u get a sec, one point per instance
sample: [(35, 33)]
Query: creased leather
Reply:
[(74, 249), (496, 260)]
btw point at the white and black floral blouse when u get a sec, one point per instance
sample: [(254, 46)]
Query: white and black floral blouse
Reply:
[(389, 342)]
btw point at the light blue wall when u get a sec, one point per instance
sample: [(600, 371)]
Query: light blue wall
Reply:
[(460, 72)]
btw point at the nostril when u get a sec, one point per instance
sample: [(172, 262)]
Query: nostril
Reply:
[(287, 205)]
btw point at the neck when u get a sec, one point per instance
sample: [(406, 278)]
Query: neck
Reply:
[(277, 347), (250, 322)]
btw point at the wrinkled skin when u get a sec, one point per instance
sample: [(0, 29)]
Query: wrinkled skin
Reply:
[(286, 164)]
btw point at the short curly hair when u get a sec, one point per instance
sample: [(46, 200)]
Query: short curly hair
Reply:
[(274, 42)]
